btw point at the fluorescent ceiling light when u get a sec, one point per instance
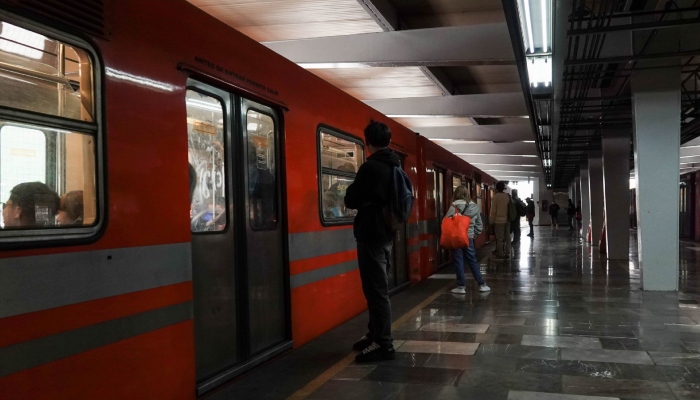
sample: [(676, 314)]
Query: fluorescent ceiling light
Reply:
[(528, 141), (494, 155), (690, 147), (696, 155), (537, 39), (463, 141), (539, 70), (516, 172), (331, 65), (507, 165)]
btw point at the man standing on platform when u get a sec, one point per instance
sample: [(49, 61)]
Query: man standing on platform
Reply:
[(521, 209), (370, 194), (499, 217)]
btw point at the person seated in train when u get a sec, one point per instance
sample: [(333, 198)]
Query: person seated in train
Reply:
[(30, 204), (261, 191), (331, 208), (70, 210)]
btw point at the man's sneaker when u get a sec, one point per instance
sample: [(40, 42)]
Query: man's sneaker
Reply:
[(362, 344), (459, 290), (484, 288), (376, 352)]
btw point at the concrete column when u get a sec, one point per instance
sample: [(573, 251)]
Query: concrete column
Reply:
[(585, 202), (616, 172), (577, 200), (656, 102), (544, 194), (595, 185)]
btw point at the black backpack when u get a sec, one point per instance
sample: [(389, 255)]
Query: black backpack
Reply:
[(401, 199)]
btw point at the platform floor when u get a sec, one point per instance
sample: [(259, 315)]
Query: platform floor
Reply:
[(560, 323)]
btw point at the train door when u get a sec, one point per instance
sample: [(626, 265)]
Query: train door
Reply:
[(398, 273), (440, 212), (235, 211)]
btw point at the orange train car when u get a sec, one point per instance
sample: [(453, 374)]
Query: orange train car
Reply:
[(107, 288)]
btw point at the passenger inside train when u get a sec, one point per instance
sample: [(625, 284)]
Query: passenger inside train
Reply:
[(70, 210), (30, 204)]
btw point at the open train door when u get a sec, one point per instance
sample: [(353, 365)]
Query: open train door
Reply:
[(241, 296)]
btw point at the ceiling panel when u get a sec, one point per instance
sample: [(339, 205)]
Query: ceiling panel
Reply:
[(438, 121), (270, 20), (380, 83)]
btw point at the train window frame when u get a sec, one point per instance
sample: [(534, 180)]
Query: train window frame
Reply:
[(226, 179), (323, 128), (65, 235)]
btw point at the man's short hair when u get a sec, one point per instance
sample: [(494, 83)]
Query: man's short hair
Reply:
[(33, 196), (514, 192), (72, 204), (500, 186), (378, 134)]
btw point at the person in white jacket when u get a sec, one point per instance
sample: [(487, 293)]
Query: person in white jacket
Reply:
[(462, 203)]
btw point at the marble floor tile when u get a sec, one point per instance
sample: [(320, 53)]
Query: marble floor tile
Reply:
[(452, 327), (663, 358), (353, 390), (518, 395), (617, 356), (518, 351), (354, 372), (499, 380), (504, 321), (562, 341), (471, 363), (400, 374), (685, 391), (622, 388), (427, 391), (417, 346)]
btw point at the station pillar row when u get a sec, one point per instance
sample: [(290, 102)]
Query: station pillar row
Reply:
[(585, 202), (597, 197), (656, 103), (616, 172)]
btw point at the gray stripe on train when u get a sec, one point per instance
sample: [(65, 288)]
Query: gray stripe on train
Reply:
[(320, 243), (35, 283), (316, 275), (25, 355)]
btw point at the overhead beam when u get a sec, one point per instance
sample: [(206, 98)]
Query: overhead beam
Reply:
[(386, 16), (505, 132), (480, 159), (450, 46), (507, 149), (634, 27), (497, 105)]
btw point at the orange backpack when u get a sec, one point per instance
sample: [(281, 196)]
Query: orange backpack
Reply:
[(454, 231)]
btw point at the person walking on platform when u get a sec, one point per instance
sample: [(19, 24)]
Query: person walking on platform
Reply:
[(520, 208), (499, 217), (530, 215), (464, 205), (370, 194), (570, 214), (553, 212)]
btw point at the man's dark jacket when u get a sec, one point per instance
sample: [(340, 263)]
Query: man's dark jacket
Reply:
[(369, 194)]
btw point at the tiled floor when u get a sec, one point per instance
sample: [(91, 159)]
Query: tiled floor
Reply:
[(559, 323)]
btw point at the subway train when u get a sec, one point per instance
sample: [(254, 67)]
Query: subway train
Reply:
[(133, 113)]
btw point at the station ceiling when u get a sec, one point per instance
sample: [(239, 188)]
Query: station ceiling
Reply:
[(449, 70)]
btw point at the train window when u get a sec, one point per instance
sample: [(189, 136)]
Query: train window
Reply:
[(456, 181), (205, 139), (262, 175), (49, 136), (340, 157), (44, 75)]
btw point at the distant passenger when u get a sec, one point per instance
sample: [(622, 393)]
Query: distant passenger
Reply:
[(465, 206), (30, 204), (530, 215), (369, 194), (331, 208), (554, 212), (70, 210), (520, 208), (570, 214), (499, 217)]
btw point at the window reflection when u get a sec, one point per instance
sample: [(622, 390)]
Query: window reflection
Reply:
[(340, 159), (262, 175), (205, 138)]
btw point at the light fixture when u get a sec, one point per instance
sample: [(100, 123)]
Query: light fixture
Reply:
[(494, 155), (536, 27)]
